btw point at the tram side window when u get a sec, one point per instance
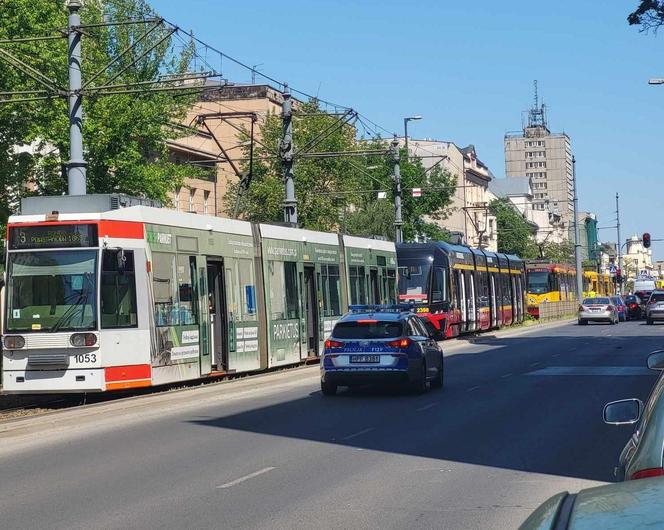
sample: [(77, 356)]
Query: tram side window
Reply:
[(186, 298), (390, 295), (292, 299), (358, 285), (283, 290), (507, 296), (118, 290), (482, 288), (330, 287), (439, 286), (173, 290), (245, 269)]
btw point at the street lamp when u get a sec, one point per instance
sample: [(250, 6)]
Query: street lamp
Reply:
[(405, 128)]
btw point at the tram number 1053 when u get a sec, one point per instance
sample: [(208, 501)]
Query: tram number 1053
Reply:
[(86, 358)]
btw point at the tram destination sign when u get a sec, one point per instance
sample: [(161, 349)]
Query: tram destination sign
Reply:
[(52, 236)]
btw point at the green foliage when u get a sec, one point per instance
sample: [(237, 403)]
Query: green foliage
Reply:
[(124, 134), (559, 252), (515, 234), (340, 193)]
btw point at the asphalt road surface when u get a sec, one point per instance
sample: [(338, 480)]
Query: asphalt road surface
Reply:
[(519, 420)]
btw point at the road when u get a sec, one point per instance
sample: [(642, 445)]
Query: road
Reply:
[(519, 420)]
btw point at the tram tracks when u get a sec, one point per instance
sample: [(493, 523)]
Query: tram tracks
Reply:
[(14, 406)]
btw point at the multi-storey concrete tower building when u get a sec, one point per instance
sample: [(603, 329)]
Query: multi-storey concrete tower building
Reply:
[(546, 158)]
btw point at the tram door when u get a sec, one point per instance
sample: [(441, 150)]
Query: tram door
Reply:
[(494, 307), (311, 309), (374, 286), (463, 304), (218, 319)]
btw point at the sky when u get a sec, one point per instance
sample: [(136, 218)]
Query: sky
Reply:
[(468, 69)]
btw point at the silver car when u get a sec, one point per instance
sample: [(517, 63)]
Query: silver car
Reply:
[(643, 455), (598, 309), (655, 307)]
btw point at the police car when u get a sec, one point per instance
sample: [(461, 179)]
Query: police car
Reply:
[(378, 344)]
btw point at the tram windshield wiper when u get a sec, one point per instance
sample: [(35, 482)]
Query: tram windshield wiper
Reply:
[(79, 303)]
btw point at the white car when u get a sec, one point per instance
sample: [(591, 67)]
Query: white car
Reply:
[(599, 309)]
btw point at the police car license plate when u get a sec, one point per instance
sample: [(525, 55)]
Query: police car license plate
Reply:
[(365, 358)]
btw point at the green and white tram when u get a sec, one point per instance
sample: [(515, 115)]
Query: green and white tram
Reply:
[(143, 296)]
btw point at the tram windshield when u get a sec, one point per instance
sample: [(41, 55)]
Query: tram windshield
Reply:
[(538, 282), (52, 291), (414, 279)]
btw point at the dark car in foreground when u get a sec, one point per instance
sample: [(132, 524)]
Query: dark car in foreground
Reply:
[(643, 455), (625, 506), (381, 344)]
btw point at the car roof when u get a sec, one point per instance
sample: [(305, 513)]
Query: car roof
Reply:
[(379, 315)]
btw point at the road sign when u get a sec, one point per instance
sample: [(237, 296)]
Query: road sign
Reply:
[(612, 268), (417, 192)]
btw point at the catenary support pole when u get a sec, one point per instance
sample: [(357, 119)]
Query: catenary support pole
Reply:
[(398, 222), (286, 153), (76, 166), (619, 244), (577, 236)]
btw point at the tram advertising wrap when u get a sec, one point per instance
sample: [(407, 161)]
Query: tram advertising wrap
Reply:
[(461, 289), (143, 296)]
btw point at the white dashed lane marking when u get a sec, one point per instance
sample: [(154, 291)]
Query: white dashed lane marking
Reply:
[(246, 477), (359, 433)]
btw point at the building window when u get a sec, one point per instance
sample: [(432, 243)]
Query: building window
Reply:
[(206, 196), (177, 199), (192, 192)]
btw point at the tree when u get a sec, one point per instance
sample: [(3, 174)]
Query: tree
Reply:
[(124, 134), (340, 192), (562, 252), (649, 15), (515, 234), (421, 215)]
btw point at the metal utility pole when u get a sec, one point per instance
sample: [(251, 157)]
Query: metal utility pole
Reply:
[(396, 175), (577, 238), (405, 130), (76, 166), (286, 153), (618, 245)]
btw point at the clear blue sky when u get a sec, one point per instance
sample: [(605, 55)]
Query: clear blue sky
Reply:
[(467, 68)]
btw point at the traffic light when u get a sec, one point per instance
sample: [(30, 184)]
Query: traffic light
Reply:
[(646, 240)]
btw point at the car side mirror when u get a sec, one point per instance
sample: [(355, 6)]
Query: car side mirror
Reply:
[(656, 360), (623, 412)]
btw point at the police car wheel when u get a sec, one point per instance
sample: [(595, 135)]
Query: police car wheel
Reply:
[(420, 385), (438, 381), (328, 389)]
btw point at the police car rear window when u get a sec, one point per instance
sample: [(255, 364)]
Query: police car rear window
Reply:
[(368, 329)]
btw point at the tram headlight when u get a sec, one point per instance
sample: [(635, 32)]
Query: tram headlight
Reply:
[(14, 342), (80, 340)]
